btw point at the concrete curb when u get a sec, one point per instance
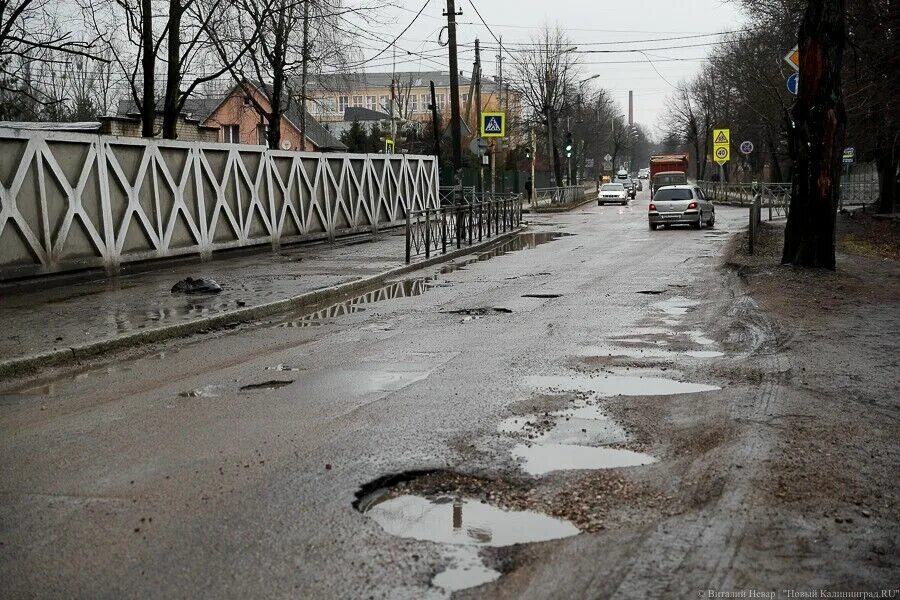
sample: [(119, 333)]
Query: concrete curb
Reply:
[(24, 365)]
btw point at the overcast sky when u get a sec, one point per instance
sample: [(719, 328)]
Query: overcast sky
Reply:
[(591, 24)]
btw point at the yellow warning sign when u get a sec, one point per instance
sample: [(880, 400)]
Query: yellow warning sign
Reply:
[(721, 145)]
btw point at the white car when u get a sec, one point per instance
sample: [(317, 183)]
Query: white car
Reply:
[(681, 205), (612, 192)]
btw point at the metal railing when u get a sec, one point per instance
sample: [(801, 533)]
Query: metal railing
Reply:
[(473, 219), (774, 197), (554, 196), (755, 218)]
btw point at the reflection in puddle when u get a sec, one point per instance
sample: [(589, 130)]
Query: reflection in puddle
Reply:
[(465, 525), (677, 306), (523, 241), (617, 385), (544, 458), (397, 289)]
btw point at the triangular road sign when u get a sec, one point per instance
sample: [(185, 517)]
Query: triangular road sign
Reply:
[(721, 139), (492, 125)]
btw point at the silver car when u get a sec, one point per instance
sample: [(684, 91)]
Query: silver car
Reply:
[(681, 205), (612, 192)]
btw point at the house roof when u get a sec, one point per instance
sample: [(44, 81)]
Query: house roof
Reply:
[(203, 108), (359, 113)]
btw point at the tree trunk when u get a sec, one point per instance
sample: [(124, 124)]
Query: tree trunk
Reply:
[(886, 161), (173, 72), (818, 136), (273, 133), (148, 62), (557, 166), (304, 74)]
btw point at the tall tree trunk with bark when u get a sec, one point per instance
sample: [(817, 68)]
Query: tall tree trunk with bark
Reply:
[(819, 123), (171, 105), (273, 133), (148, 63)]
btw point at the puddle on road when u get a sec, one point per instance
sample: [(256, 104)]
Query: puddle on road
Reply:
[(464, 525), (406, 288), (416, 287), (616, 385), (704, 353), (282, 367), (206, 391), (646, 352), (676, 306), (544, 458), (523, 241), (542, 296)]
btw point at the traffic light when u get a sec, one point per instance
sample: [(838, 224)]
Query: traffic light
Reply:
[(569, 144)]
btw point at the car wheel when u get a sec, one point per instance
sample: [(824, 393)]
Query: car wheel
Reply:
[(698, 224), (624, 202), (652, 226), (712, 220)]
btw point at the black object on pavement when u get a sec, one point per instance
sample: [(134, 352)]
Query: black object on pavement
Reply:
[(196, 286)]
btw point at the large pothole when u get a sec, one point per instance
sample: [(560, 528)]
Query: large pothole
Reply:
[(462, 523)]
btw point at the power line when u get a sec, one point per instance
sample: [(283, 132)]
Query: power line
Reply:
[(394, 41)]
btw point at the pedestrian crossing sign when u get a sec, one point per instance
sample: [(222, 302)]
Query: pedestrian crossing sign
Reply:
[(493, 124)]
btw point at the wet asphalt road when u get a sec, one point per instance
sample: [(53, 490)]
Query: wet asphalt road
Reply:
[(158, 475)]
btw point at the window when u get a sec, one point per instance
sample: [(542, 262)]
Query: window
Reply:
[(384, 103), (328, 105), (231, 134), (357, 100), (465, 98), (673, 194), (261, 133), (342, 103), (426, 105), (413, 103), (370, 102), (442, 101)]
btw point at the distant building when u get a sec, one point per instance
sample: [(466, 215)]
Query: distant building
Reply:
[(331, 95), (364, 116)]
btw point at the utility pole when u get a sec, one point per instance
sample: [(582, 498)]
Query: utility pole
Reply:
[(304, 74), (568, 152), (478, 111), (533, 157), (436, 129), (394, 101), (456, 125), (499, 141), (548, 112)]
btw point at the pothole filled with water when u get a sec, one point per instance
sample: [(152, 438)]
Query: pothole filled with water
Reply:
[(542, 458), (608, 385), (461, 525)]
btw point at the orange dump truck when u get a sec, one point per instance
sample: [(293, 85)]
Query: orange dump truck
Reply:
[(667, 169)]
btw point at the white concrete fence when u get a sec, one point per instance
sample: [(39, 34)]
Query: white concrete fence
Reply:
[(78, 201)]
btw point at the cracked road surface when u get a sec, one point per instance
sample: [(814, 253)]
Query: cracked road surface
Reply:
[(227, 465)]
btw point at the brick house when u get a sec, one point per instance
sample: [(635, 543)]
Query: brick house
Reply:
[(233, 118)]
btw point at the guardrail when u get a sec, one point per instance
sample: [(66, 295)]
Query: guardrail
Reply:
[(473, 219), (557, 195), (774, 198)]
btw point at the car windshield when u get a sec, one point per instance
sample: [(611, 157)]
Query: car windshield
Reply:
[(612, 187), (673, 194)]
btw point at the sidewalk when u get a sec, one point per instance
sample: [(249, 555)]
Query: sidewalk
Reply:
[(98, 315)]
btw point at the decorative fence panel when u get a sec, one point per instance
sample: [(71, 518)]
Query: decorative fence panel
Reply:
[(76, 201)]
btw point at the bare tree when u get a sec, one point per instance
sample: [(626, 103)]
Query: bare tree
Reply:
[(545, 70)]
